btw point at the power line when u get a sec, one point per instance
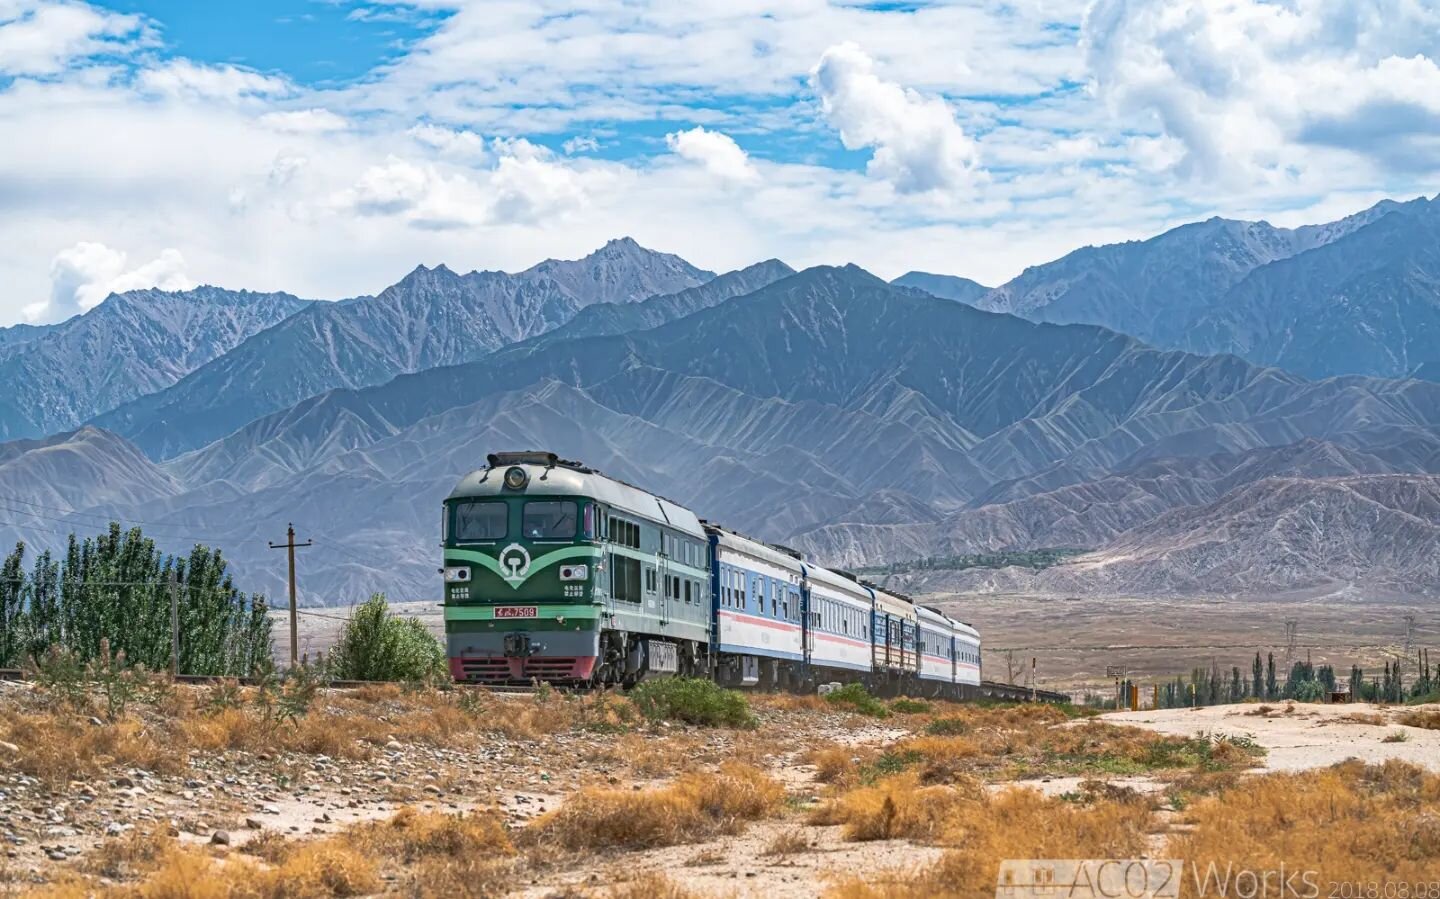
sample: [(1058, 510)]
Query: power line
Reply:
[(157, 533), (1146, 646)]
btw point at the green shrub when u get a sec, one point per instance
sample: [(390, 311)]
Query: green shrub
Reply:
[(857, 699), (947, 727), (693, 701), (376, 645), (909, 706), (1309, 691)]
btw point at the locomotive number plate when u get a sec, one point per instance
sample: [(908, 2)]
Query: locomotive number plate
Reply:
[(516, 612)]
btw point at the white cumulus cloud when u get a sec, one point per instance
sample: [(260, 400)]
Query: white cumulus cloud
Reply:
[(305, 121), (717, 152), (82, 276), (918, 145), (526, 184), (456, 143), (1246, 86), (580, 144), (183, 78), (38, 38)]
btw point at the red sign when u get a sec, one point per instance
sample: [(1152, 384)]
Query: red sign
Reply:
[(516, 612)]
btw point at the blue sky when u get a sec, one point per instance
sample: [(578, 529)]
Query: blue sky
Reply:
[(313, 42), (326, 147)]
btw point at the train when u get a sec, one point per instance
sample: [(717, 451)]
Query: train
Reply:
[(555, 572)]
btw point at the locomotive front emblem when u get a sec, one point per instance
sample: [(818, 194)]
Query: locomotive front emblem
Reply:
[(515, 563)]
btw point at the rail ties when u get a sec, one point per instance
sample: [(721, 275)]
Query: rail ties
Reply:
[(17, 674), (986, 689)]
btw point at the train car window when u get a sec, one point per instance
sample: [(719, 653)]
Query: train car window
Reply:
[(550, 520), (481, 521), (687, 591)]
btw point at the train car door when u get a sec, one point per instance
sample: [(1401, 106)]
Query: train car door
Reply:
[(807, 627), (662, 575)]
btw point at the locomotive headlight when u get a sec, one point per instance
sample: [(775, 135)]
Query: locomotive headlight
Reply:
[(574, 572), (457, 575), (516, 478)]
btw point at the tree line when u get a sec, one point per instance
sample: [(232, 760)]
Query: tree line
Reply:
[(1035, 559), (114, 592), (1304, 682)]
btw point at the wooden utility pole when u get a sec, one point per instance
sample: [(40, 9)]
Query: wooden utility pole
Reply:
[(290, 546)]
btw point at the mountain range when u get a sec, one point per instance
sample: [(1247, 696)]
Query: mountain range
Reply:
[(859, 421), (1356, 296), (432, 317), (131, 345)]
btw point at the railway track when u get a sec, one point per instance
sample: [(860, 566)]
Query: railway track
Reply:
[(986, 690), (17, 674)]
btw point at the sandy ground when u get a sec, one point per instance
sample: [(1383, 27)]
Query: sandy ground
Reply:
[(1301, 736)]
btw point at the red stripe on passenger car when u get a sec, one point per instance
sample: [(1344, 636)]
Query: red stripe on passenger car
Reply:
[(763, 622)]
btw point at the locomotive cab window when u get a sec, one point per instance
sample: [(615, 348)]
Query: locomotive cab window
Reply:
[(550, 520), (480, 521)]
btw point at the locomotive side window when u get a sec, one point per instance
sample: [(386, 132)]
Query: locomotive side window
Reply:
[(624, 578), (480, 521), (625, 533), (550, 520)]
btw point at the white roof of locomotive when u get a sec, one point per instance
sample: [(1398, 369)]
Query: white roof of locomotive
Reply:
[(568, 479)]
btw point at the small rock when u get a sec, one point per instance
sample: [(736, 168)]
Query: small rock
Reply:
[(115, 828), (96, 722), (394, 746), (10, 748), (220, 838), (254, 824)]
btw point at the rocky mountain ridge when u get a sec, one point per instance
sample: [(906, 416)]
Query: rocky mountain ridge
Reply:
[(130, 345), (828, 409), (432, 317)]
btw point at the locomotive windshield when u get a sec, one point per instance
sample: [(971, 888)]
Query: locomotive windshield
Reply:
[(550, 520), (480, 521)]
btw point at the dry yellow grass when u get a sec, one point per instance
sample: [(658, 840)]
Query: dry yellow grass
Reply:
[(651, 885), (637, 754), (984, 830), (693, 807), (1351, 823), (1365, 718), (58, 746), (787, 843), (839, 765), (899, 807), (410, 835), (1426, 718), (425, 853)]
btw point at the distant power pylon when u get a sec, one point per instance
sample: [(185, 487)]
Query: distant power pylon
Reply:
[(1409, 636)]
